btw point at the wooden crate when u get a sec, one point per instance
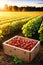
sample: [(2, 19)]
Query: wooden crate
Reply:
[(21, 53)]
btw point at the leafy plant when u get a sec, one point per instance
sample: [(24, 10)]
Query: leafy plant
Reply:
[(16, 60), (40, 31), (29, 29)]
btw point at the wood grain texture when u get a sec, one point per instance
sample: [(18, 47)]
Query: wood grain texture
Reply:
[(7, 60)]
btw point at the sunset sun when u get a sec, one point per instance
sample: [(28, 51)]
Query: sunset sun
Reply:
[(1, 6)]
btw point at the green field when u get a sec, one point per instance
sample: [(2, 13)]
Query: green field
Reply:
[(27, 22)]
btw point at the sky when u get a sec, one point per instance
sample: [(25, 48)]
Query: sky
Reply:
[(36, 3)]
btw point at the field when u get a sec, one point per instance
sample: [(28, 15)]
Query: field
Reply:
[(4, 16), (13, 23), (18, 14), (8, 22)]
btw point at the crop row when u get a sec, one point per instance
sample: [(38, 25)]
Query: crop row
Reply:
[(10, 26), (40, 31), (14, 19), (32, 26), (29, 26)]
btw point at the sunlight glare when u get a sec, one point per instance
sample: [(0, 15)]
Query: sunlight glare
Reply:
[(1, 5)]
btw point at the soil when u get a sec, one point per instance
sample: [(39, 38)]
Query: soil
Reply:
[(7, 60)]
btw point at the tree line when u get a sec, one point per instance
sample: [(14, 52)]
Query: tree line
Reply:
[(27, 8)]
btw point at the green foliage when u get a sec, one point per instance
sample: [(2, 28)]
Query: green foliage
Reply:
[(5, 28), (31, 26), (1, 36), (40, 31), (16, 60), (9, 27), (18, 24)]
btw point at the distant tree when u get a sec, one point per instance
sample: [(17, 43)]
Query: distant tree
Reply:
[(10, 8), (21, 8), (6, 8), (15, 8), (41, 8)]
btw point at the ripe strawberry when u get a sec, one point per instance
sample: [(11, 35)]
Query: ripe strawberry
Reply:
[(22, 43)]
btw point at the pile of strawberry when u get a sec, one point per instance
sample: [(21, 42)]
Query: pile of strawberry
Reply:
[(22, 43)]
